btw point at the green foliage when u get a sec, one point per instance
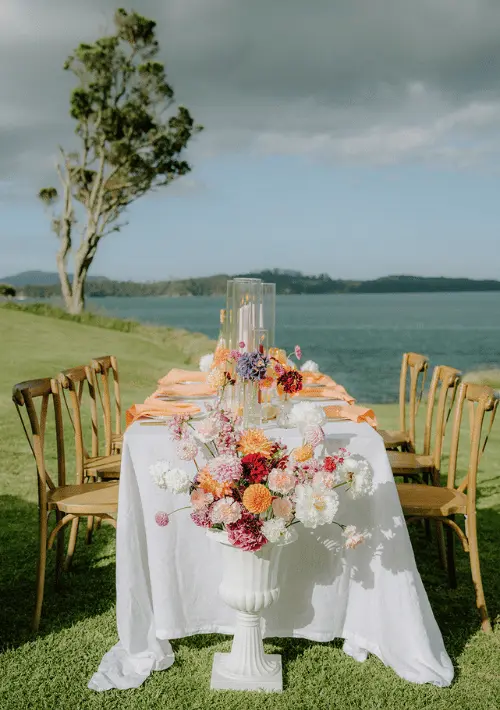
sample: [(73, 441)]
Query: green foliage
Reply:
[(7, 291), (51, 670)]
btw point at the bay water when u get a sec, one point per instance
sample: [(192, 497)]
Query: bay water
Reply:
[(358, 339)]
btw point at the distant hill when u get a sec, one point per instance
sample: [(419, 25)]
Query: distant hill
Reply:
[(40, 278), (287, 282)]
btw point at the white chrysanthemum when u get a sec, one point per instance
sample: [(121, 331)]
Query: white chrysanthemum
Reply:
[(306, 414), (314, 506), (310, 366), (206, 362), (173, 479), (353, 537), (358, 474), (275, 530)]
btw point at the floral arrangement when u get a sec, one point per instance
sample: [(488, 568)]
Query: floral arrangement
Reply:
[(254, 488)]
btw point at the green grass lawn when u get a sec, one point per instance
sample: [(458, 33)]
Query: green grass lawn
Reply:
[(51, 670)]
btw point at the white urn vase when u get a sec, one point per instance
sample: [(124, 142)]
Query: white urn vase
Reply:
[(249, 585)]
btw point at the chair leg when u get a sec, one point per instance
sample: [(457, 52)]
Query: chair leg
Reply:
[(450, 556), (40, 572), (59, 550), (476, 572), (441, 545), (72, 543), (90, 528)]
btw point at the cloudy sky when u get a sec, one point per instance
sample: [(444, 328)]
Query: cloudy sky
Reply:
[(354, 137)]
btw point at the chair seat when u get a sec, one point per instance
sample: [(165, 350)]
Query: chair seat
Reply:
[(85, 499), (105, 467), (393, 439), (432, 501), (406, 464)]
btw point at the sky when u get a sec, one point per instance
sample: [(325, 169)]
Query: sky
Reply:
[(357, 138)]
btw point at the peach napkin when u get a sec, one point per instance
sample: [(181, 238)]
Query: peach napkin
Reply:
[(329, 392), (177, 375), (158, 409), (353, 413), (199, 389), (316, 378)]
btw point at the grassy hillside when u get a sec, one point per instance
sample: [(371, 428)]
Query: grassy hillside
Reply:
[(50, 671)]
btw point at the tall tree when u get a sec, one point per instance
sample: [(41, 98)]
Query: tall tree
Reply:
[(131, 142)]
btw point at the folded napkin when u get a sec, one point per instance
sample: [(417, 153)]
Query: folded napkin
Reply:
[(150, 410), (316, 378), (176, 375), (199, 389), (353, 413), (328, 392)]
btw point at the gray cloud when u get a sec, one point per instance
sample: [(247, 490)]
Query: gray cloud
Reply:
[(373, 82)]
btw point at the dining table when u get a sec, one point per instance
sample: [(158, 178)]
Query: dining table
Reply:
[(167, 577)]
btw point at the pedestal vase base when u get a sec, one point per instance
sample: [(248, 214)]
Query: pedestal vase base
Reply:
[(272, 683)]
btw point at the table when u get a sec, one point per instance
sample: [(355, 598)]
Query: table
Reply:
[(167, 577)]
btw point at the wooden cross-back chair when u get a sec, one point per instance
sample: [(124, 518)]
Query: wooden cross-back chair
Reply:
[(33, 400), (440, 399), (106, 369), (80, 382), (411, 387), (458, 497)]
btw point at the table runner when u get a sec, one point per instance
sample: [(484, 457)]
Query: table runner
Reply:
[(167, 578)]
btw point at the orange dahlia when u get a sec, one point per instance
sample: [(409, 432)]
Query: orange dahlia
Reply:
[(210, 485), (266, 383), (257, 498), (303, 453), (254, 441)]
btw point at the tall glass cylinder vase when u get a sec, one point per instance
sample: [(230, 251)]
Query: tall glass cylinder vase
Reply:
[(244, 303), (250, 404)]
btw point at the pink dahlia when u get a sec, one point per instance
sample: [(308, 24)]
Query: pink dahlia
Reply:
[(247, 533), (187, 449), (314, 435), (162, 519), (226, 510), (226, 468)]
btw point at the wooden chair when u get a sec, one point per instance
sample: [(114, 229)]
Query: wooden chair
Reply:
[(413, 367), (104, 367), (442, 504), (442, 391), (68, 502), (79, 381)]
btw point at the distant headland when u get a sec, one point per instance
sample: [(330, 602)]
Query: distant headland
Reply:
[(41, 284)]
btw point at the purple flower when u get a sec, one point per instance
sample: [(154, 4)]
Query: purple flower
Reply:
[(252, 366)]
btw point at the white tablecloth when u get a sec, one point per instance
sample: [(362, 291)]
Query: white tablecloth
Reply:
[(167, 577)]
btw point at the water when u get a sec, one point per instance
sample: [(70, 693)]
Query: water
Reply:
[(358, 339)]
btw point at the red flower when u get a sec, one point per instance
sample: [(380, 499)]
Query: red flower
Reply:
[(255, 467), (290, 381), (329, 464), (246, 533)]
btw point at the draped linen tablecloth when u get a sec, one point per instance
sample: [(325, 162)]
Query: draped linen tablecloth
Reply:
[(167, 578)]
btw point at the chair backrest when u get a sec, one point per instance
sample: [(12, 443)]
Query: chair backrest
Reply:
[(480, 400), (103, 367), (79, 383), (413, 368), (440, 400), (33, 399)]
